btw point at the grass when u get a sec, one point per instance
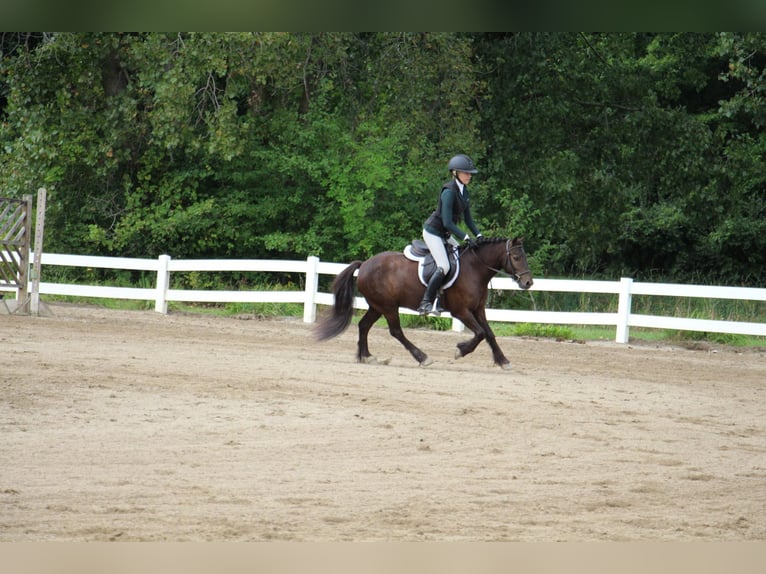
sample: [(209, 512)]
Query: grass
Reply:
[(238, 309), (607, 333)]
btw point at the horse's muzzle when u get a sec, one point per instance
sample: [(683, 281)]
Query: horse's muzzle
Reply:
[(525, 281)]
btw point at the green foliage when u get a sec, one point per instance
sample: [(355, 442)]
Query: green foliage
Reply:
[(720, 338), (622, 143), (433, 323), (546, 331), (636, 154)]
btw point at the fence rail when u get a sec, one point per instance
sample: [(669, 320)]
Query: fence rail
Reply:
[(310, 297)]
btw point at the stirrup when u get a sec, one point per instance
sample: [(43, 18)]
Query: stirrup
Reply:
[(425, 308), (436, 308)]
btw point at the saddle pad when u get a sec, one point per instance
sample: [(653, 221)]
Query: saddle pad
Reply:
[(427, 266)]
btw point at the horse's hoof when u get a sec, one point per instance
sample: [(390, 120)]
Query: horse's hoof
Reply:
[(458, 354), (506, 366), (373, 361), (425, 362)]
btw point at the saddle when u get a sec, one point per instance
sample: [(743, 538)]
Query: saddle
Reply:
[(418, 251)]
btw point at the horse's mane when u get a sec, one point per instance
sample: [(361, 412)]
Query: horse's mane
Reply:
[(483, 241)]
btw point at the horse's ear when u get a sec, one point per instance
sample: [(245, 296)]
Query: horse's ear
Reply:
[(517, 241)]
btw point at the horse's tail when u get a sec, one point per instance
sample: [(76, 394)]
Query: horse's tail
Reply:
[(339, 318)]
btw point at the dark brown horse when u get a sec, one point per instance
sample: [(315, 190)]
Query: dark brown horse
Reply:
[(389, 280)]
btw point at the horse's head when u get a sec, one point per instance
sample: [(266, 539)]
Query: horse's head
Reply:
[(516, 262)]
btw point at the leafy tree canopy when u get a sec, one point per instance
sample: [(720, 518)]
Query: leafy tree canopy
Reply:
[(614, 154)]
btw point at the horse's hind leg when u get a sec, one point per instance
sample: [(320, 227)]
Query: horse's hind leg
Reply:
[(365, 324), (395, 328)]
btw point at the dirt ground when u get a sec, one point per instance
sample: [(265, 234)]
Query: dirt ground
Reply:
[(131, 425)]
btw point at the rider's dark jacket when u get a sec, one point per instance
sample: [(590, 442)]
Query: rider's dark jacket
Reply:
[(451, 209)]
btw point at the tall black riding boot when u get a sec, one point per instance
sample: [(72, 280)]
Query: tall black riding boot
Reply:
[(427, 304)]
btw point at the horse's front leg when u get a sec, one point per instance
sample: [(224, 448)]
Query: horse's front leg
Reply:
[(466, 347), (477, 322), (497, 353)]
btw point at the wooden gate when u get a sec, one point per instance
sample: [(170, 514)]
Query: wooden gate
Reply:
[(15, 240)]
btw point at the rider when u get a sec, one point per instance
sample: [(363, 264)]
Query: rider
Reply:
[(454, 205)]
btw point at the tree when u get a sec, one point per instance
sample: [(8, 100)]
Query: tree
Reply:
[(617, 150), (237, 144)]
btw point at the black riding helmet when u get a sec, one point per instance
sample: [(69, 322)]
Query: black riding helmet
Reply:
[(462, 162)]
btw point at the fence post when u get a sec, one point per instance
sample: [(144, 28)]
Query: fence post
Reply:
[(623, 310), (163, 282), (34, 301), (312, 286)]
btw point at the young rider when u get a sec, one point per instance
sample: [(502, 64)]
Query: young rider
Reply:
[(442, 227)]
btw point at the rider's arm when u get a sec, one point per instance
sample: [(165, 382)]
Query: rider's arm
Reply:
[(448, 199), (470, 222)]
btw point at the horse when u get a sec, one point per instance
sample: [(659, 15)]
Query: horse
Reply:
[(389, 280)]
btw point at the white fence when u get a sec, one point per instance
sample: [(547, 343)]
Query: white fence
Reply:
[(310, 297)]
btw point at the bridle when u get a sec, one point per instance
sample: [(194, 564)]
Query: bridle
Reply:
[(508, 262)]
